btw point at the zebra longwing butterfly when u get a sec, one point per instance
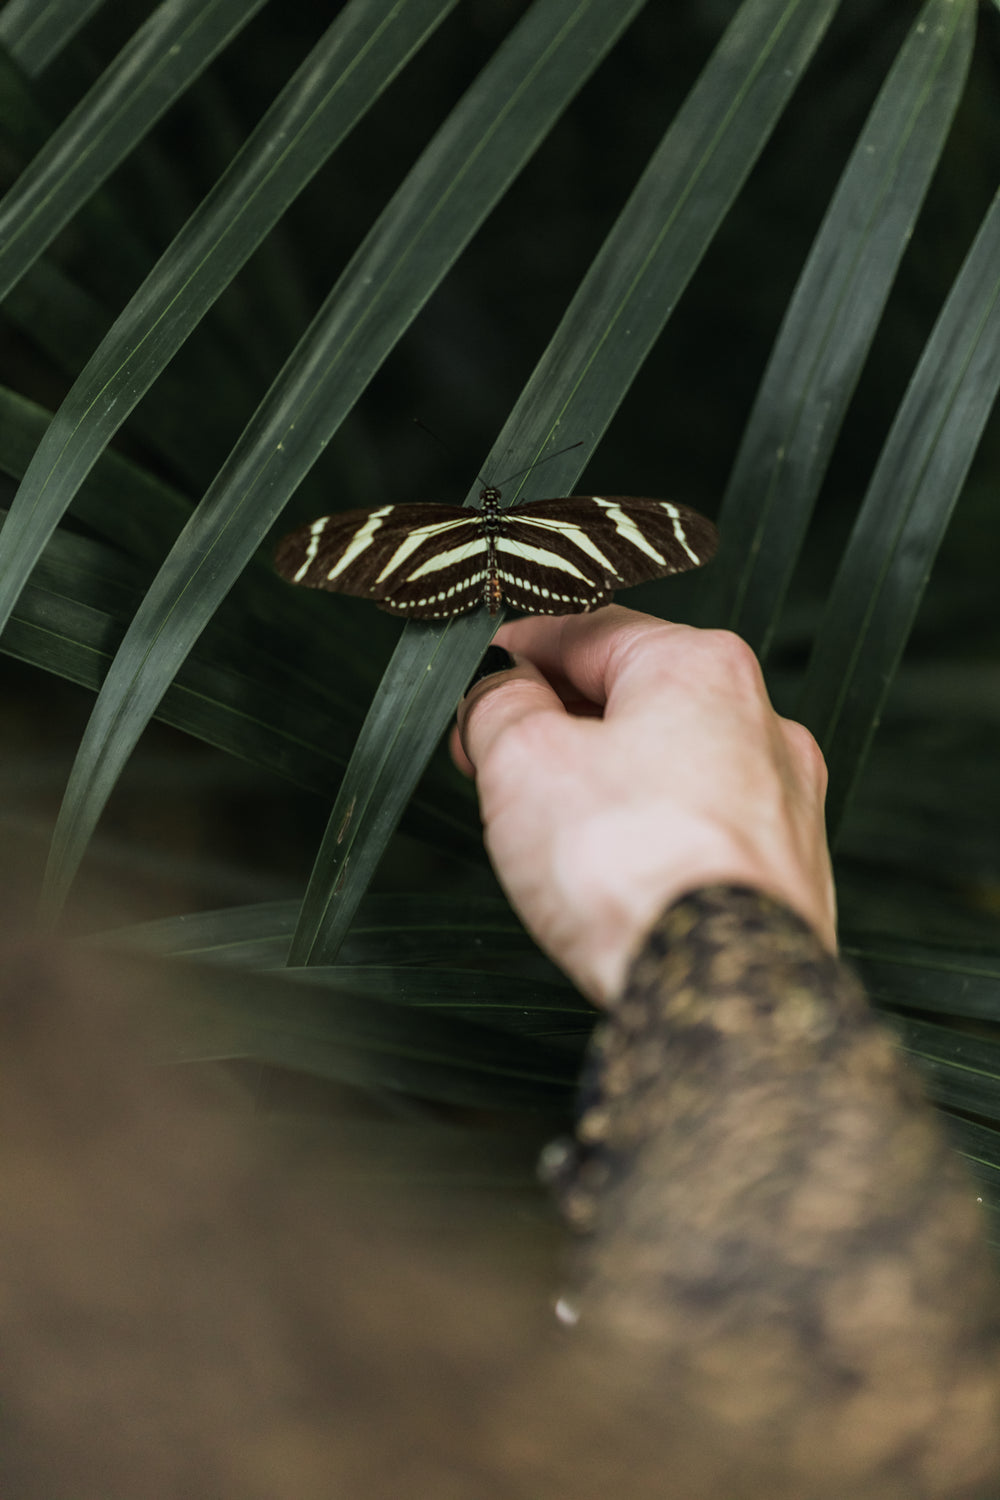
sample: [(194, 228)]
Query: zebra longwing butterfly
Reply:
[(550, 557)]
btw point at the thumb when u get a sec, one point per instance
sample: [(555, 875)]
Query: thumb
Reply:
[(493, 704)]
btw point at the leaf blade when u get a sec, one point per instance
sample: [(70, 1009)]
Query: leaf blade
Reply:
[(35, 34), (482, 146), (916, 484), (346, 72), (351, 1037), (830, 323), (168, 51)]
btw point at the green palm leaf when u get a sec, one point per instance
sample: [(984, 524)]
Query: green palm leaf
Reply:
[(34, 34), (441, 995), (347, 1035), (830, 324), (70, 621), (177, 43), (607, 331), (22, 117), (899, 529), (445, 198), (398, 929), (343, 77)]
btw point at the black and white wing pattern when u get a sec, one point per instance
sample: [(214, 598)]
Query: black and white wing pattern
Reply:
[(556, 557), (567, 556), (422, 561)]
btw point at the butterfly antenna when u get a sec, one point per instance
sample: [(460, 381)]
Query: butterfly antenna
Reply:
[(436, 436), (538, 462), (417, 422)]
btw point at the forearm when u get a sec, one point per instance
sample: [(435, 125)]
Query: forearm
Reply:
[(772, 1214)]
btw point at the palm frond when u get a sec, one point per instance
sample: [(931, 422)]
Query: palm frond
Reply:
[(112, 576)]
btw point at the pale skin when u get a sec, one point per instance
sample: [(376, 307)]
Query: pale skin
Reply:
[(625, 761)]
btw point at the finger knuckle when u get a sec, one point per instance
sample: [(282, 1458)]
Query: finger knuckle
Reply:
[(731, 657), (806, 752)]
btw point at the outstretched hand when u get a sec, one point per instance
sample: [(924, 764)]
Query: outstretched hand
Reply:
[(624, 761)]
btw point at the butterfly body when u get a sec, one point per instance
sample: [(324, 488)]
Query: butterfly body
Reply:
[(560, 556)]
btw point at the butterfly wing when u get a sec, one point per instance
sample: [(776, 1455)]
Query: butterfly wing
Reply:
[(423, 561), (566, 556)]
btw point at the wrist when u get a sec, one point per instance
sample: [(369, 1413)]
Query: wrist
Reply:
[(619, 869)]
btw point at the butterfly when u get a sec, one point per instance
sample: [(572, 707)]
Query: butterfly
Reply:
[(554, 557)]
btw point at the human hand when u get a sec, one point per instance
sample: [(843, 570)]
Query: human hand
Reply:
[(624, 761)]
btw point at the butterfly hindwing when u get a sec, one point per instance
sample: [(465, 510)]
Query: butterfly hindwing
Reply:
[(539, 573)]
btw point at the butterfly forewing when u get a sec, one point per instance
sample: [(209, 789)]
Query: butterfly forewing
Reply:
[(621, 539), (411, 559)]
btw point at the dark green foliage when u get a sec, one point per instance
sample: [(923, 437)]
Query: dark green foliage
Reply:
[(249, 253)]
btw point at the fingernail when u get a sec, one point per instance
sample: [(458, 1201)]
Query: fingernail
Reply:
[(495, 659)]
